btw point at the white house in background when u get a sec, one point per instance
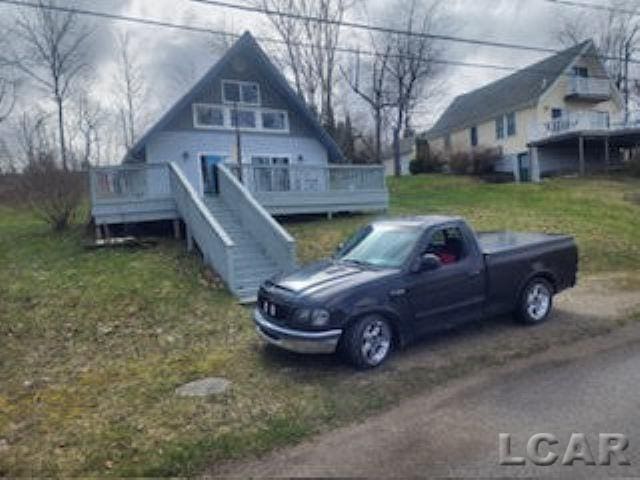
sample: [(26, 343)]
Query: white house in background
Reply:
[(407, 153), (561, 114), (239, 146)]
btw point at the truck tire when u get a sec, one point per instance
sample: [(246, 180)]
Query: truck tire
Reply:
[(367, 342), (536, 301)]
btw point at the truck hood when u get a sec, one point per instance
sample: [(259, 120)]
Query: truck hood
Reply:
[(329, 278)]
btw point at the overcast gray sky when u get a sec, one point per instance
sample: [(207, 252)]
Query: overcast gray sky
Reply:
[(172, 58)]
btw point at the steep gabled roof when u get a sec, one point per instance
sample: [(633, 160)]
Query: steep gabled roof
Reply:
[(516, 91), (247, 43)]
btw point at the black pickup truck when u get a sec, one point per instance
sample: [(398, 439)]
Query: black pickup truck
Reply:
[(396, 280)]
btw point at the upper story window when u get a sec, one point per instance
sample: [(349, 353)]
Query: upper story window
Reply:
[(511, 123), (229, 117), (582, 72), (556, 113), (209, 116), (474, 136), (246, 93), (500, 127)]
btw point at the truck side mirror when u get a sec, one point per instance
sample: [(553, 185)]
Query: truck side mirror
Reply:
[(426, 262)]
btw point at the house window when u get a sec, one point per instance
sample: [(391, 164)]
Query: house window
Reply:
[(556, 113), (474, 136), (208, 116), (243, 118), (581, 72), (511, 124), (271, 173), (274, 120), (500, 127), (246, 93)]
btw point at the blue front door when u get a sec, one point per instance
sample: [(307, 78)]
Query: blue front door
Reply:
[(210, 173)]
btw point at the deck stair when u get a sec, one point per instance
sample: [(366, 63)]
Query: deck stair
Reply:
[(251, 263)]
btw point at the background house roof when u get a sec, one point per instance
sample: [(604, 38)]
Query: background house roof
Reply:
[(246, 43), (515, 91)]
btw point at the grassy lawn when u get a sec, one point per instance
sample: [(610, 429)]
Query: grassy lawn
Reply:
[(94, 342)]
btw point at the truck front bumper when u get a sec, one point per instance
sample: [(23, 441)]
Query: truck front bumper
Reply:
[(296, 340)]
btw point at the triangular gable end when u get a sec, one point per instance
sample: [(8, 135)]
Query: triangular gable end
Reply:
[(244, 43)]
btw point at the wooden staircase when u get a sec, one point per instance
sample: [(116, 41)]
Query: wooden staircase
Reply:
[(251, 263)]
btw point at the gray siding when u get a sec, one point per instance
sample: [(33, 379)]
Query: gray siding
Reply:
[(170, 146), (241, 68)]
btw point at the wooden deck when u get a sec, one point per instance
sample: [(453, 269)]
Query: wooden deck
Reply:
[(140, 193)]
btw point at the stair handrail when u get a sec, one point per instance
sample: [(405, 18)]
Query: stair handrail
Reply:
[(219, 254), (281, 245)]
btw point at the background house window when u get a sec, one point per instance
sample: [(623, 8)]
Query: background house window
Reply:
[(500, 127), (511, 124), (274, 120), (243, 118), (582, 72), (556, 113), (247, 93), (209, 116), (474, 136)]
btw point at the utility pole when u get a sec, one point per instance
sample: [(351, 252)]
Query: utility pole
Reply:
[(238, 142), (627, 56)]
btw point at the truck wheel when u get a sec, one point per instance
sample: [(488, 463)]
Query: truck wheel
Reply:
[(536, 301), (367, 343)]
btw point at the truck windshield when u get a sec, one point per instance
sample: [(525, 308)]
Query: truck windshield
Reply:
[(380, 246)]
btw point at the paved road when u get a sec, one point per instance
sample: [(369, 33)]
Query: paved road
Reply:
[(590, 387)]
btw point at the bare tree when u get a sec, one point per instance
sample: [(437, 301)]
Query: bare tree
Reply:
[(86, 141), (130, 90), (617, 38), (411, 65), (311, 46), (7, 97), (49, 48), (373, 90)]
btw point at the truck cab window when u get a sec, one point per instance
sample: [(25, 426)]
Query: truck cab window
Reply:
[(448, 245)]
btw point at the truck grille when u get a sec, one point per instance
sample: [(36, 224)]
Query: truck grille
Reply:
[(273, 308)]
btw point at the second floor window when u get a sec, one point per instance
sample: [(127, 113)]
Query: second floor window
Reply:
[(582, 72), (511, 123), (500, 127), (246, 93), (474, 136)]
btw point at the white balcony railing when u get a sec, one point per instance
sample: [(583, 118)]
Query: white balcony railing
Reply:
[(126, 183), (589, 87), (312, 179), (573, 122)]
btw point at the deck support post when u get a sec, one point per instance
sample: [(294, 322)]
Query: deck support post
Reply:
[(107, 231), (581, 162), (606, 154), (176, 229), (189, 240), (329, 215), (98, 232), (534, 164)]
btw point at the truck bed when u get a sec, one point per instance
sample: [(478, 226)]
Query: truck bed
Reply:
[(499, 242)]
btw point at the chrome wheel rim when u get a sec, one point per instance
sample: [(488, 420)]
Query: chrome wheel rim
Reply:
[(538, 301), (376, 342)]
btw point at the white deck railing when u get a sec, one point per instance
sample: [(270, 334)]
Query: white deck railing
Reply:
[(307, 179), (268, 233), (126, 183), (589, 87), (214, 242), (572, 122)]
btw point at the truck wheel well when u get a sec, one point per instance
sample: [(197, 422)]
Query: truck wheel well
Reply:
[(548, 276)]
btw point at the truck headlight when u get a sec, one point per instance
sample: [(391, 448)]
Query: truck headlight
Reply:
[(319, 317)]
